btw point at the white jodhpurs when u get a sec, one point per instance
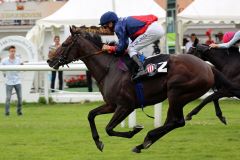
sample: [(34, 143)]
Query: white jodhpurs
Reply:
[(154, 32)]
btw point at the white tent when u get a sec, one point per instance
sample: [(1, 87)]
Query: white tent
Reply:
[(138, 7), (77, 12), (88, 12), (205, 12)]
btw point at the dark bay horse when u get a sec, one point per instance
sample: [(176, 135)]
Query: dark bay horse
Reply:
[(187, 79), (225, 60)]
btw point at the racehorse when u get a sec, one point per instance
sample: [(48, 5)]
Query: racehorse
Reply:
[(187, 79), (226, 61)]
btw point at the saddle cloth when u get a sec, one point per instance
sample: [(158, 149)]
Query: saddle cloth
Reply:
[(153, 65)]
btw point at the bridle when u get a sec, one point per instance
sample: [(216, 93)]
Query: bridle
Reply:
[(63, 57)]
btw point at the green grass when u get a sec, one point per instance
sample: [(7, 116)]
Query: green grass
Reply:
[(62, 132)]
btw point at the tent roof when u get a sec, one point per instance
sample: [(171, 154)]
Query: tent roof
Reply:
[(77, 12), (128, 7), (215, 11), (88, 12)]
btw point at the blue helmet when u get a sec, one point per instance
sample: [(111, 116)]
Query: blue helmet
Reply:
[(108, 17)]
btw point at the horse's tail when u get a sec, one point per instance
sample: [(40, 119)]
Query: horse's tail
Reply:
[(221, 82)]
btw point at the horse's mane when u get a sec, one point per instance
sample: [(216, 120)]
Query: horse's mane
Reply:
[(93, 34), (94, 38), (96, 30), (231, 49)]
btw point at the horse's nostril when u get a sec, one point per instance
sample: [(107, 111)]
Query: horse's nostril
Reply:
[(49, 61)]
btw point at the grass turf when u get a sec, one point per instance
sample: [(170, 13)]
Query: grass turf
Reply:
[(62, 132)]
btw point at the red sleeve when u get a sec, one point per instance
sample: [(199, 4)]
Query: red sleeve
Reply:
[(148, 19), (112, 49)]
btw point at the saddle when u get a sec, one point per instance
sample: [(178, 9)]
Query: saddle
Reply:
[(154, 65)]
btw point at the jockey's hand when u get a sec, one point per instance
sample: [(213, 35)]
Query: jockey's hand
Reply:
[(105, 47), (213, 45), (109, 49)]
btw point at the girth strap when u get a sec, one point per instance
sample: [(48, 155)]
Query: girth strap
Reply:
[(140, 96)]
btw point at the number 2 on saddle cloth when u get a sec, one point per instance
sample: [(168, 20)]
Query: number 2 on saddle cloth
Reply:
[(153, 65)]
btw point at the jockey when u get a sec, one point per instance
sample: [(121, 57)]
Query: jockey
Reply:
[(229, 39), (142, 30)]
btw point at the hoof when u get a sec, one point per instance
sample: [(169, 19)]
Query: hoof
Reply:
[(188, 118), (100, 145), (147, 144), (138, 127), (223, 120), (136, 150)]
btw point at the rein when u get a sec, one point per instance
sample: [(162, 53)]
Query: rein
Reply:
[(87, 56), (108, 67), (106, 71), (90, 55)]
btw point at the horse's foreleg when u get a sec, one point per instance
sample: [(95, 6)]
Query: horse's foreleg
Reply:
[(213, 97), (104, 109), (175, 119), (120, 114)]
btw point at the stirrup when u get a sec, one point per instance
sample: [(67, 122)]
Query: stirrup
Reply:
[(138, 75)]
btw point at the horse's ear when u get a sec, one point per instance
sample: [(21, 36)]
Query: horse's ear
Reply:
[(70, 28), (73, 29), (202, 48)]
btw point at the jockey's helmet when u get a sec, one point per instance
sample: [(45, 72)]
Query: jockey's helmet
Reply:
[(228, 36), (108, 17)]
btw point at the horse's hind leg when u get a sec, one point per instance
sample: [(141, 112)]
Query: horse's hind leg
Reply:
[(119, 115), (175, 119), (219, 112), (104, 109), (200, 106), (213, 97)]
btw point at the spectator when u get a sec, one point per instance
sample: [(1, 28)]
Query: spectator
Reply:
[(89, 81), (209, 35), (219, 38), (52, 49), (185, 41), (12, 81), (190, 43)]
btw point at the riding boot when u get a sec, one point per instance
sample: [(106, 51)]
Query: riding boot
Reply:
[(141, 70)]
